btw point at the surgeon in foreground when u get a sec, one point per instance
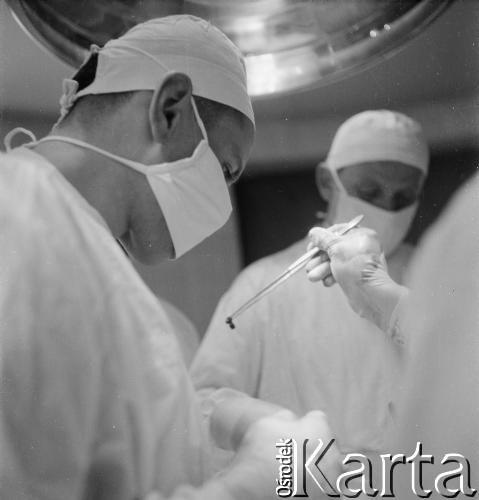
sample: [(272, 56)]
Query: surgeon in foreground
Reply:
[(95, 401), (437, 319)]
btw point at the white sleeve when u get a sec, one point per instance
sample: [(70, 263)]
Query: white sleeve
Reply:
[(226, 371), (185, 332), (48, 393)]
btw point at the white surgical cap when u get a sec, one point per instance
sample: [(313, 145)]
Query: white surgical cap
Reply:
[(379, 135), (142, 58)]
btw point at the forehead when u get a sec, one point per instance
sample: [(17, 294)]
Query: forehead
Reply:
[(386, 173)]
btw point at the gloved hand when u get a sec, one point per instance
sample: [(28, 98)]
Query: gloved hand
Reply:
[(254, 473), (357, 263), (255, 469), (232, 413)]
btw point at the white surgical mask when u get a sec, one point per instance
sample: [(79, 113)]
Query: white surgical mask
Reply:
[(391, 227), (192, 192)]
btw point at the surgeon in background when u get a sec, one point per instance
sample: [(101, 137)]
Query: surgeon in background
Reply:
[(437, 319), (95, 400), (302, 347)]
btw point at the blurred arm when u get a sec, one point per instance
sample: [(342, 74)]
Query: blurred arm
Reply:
[(49, 369), (227, 369)]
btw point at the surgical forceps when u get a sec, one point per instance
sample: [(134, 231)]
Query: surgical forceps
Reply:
[(290, 271)]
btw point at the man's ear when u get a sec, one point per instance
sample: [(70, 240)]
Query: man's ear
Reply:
[(171, 112), (324, 182)]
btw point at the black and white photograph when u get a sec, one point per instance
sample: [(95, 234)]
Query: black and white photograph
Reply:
[(239, 249)]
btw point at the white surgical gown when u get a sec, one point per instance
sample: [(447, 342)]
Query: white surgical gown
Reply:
[(439, 402), (185, 331), (93, 389), (303, 348)]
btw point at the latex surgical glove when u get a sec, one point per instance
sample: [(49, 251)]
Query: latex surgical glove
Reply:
[(356, 261), (255, 469), (232, 414)]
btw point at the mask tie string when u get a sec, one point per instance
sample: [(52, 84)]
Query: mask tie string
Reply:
[(7, 141)]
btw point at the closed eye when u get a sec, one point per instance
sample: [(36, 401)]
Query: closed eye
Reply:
[(231, 174), (369, 193), (404, 199)]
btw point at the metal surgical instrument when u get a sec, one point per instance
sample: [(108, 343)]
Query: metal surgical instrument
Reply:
[(290, 271)]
